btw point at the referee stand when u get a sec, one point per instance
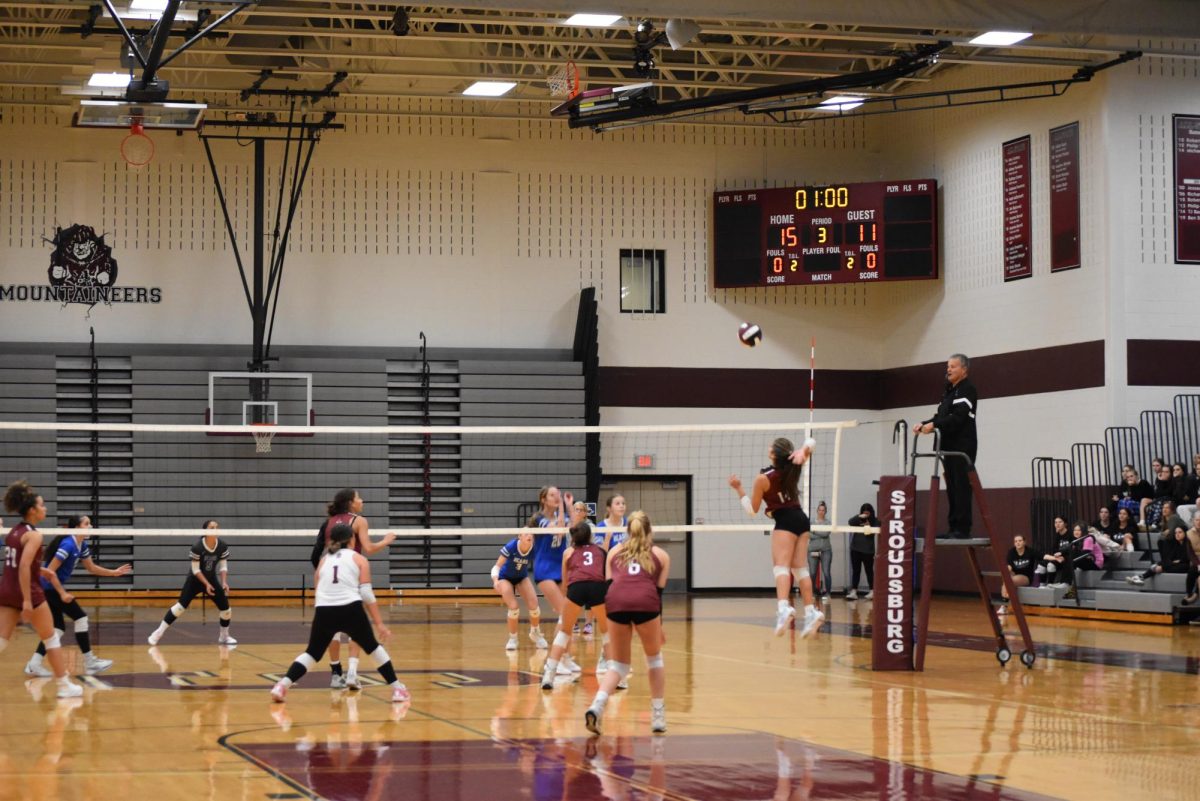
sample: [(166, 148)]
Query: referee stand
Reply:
[(898, 641)]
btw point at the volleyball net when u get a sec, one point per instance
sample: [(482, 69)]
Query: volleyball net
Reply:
[(458, 480)]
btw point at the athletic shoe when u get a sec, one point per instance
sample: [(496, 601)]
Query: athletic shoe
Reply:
[(37, 668), (587, 629), (601, 666), (352, 682), (154, 637), (870, 594), (658, 720), (93, 664), (547, 679), (512, 643), (851, 595), (592, 717), (783, 619), (575, 628), (535, 636), (826, 598), (401, 695), (564, 669), (225, 638), (623, 684), (69, 689), (1135, 580), (812, 621), (571, 663), (279, 692), (338, 681)]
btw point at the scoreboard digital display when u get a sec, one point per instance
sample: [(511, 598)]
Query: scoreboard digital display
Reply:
[(836, 234)]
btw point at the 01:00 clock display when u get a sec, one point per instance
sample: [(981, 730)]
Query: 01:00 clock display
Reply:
[(882, 231)]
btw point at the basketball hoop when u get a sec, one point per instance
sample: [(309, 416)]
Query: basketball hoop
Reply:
[(262, 437), (137, 149), (564, 81)]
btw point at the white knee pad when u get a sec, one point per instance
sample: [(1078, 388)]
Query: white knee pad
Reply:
[(655, 661), (380, 656), (59, 633), (177, 610), (561, 639), (53, 642), (343, 638), (306, 660), (800, 573), (227, 614), (514, 614), (780, 570), (620, 668), (81, 625)]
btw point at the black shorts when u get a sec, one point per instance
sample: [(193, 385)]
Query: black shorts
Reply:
[(792, 519), (587, 593), (193, 587), (633, 618), (329, 620)]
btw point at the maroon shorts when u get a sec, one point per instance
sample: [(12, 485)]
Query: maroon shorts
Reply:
[(10, 596)]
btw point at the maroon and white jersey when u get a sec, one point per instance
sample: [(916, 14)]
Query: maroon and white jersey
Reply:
[(348, 518), (586, 564), (633, 589), (10, 587), (774, 496)]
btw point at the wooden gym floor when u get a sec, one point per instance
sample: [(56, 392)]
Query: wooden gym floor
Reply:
[(1109, 711)]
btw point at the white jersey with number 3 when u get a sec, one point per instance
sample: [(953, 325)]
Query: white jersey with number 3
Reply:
[(337, 579)]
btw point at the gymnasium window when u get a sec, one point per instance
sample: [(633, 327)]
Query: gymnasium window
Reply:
[(643, 281)]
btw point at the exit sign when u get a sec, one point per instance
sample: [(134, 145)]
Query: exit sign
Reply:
[(643, 461)]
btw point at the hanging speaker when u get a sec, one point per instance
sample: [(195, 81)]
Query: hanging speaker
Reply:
[(681, 31)]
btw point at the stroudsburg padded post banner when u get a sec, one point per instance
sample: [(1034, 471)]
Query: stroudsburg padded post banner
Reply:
[(892, 617)]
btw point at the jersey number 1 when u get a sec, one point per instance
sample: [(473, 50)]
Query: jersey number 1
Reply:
[(335, 569)]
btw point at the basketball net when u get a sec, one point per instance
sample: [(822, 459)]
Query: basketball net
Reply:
[(564, 81), (263, 434), (136, 148)]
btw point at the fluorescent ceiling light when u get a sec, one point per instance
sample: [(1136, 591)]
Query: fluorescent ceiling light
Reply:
[(1000, 38), (840, 103), (111, 80), (149, 5), (489, 88), (593, 20)]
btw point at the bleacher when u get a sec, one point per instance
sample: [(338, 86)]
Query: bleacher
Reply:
[(1076, 487)]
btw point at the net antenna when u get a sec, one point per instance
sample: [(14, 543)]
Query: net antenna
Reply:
[(564, 80)]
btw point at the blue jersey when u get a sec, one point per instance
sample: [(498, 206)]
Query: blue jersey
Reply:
[(68, 554), (617, 536), (548, 550), (516, 568)]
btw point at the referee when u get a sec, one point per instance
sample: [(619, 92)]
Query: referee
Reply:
[(955, 422)]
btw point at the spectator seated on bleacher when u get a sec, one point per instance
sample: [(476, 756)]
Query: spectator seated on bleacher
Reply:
[(1058, 560), (1152, 512), (1168, 520), (1132, 493), (1024, 564), (1127, 529), (1177, 556), (1191, 491), (1085, 553), (1104, 528)]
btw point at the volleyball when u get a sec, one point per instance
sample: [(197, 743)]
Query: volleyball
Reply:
[(749, 334)]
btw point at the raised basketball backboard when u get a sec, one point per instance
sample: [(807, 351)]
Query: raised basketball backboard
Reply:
[(605, 99), (281, 399), (123, 114)]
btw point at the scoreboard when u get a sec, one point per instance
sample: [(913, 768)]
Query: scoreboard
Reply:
[(835, 234)]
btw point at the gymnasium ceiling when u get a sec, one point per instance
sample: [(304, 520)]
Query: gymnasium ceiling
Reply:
[(45, 58)]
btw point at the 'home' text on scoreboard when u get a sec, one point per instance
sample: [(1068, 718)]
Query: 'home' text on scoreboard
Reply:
[(841, 233)]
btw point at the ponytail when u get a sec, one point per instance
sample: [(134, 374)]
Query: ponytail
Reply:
[(781, 460), (638, 547)]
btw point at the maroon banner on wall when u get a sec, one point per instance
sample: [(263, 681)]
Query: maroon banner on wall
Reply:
[(892, 616), (1018, 231), (1064, 198), (1187, 189)]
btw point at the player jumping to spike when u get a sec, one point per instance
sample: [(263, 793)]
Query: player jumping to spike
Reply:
[(777, 488)]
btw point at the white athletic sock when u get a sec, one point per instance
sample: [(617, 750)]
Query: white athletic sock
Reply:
[(352, 665), (162, 628), (601, 698), (809, 609), (551, 665), (658, 703), (286, 682), (783, 604)]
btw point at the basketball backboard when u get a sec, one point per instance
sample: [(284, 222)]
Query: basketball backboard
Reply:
[(605, 99), (123, 114), (281, 399)]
